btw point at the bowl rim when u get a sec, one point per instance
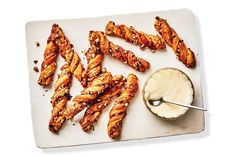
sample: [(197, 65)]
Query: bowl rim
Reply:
[(144, 100)]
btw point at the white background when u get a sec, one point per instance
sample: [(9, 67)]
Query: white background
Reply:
[(218, 34)]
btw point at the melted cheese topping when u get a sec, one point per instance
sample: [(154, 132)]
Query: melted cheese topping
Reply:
[(170, 84)]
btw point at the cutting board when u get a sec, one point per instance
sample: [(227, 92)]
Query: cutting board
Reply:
[(139, 122)]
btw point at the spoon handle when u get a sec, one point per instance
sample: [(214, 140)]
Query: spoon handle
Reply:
[(189, 106)]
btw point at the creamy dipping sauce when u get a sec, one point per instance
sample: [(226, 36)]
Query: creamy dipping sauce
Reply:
[(172, 85)]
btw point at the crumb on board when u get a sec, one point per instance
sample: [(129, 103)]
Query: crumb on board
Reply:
[(43, 95), (46, 90), (37, 44), (73, 124), (35, 61), (36, 69)]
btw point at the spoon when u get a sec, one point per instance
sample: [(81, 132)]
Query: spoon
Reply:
[(161, 100)]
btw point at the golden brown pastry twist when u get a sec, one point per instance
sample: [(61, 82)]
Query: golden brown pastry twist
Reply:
[(125, 56), (89, 94), (136, 37), (184, 54), (60, 98), (94, 62), (97, 86), (67, 52), (49, 65), (118, 111), (94, 111)]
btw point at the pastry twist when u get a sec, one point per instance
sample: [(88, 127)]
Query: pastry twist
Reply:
[(97, 86), (184, 54), (94, 62), (60, 98), (67, 52), (49, 65), (118, 111), (136, 37), (125, 56), (94, 111)]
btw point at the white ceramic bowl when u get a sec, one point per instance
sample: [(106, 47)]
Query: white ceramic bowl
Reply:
[(170, 84)]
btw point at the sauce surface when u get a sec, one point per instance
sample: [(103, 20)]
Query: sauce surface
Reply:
[(172, 85)]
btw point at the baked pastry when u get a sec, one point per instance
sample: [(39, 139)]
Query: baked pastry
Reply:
[(94, 62), (49, 65), (90, 93), (94, 111), (60, 98), (67, 52), (118, 111), (184, 54), (128, 57), (131, 35)]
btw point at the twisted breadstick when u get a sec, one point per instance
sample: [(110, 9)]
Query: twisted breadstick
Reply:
[(94, 111), (125, 56), (97, 86), (49, 65), (118, 112), (184, 54), (67, 52), (60, 98), (136, 37), (87, 95), (94, 62)]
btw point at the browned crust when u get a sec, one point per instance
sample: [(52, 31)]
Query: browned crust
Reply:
[(184, 54), (94, 111), (49, 65), (94, 62), (68, 53), (60, 98), (130, 34), (128, 57), (118, 111), (90, 93)]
